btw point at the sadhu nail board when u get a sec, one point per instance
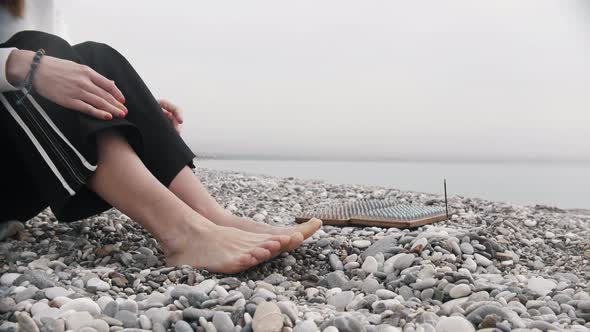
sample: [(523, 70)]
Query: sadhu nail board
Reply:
[(380, 213)]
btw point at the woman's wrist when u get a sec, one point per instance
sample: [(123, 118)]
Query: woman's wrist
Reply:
[(17, 66)]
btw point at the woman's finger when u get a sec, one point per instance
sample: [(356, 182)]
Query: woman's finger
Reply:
[(107, 96), (107, 85), (165, 104), (178, 115), (88, 109), (101, 104), (170, 107)]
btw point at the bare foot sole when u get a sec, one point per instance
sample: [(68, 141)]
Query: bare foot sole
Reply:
[(224, 249)]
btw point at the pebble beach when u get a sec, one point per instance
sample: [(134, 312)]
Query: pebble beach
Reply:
[(492, 267)]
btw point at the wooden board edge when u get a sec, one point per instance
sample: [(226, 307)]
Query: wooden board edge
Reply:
[(378, 223)]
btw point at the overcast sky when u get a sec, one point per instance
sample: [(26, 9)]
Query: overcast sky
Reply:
[(399, 79)]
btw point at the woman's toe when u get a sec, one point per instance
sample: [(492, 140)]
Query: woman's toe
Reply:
[(295, 241), (260, 254)]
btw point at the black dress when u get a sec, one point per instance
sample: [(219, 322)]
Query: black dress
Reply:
[(49, 152)]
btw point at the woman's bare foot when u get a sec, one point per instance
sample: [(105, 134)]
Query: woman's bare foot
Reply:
[(202, 244)]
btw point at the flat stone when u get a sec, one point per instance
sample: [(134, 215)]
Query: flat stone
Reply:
[(38, 307), (583, 305), (129, 305), (467, 248), (231, 298), (541, 286), (26, 294), (192, 314), (335, 262), (479, 314), (460, 291), (341, 300), (195, 298), (10, 228), (306, 326), (290, 309), (361, 244), (26, 323), (128, 318), (389, 328), (380, 246), (182, 326), (428, 318), (385, 294), (8, 278), (344, 323), (481, 260), (370, 265), (53, 292), (267, 318), (52, 325), (157, 297), (426, 283), (82, 304), (160, 316), (47, 313), (99, 325), (206, 286), (77, 320), (144, 322), (223, 322), (543, 326), (275, 279), (401, 261), (40, 279), (111, 309), (336, 279), (7, 304), (370, 286), (419, 245), (289, 261), (95, 284), (454, 324), (449, 306), (265, 294)]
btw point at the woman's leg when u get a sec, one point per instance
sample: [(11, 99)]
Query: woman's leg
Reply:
[(167, 156), (188, 188), (186, 237)]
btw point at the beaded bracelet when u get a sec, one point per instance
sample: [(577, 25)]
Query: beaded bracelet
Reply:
[(28, 82)]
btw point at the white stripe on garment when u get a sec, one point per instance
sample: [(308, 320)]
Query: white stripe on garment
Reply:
[(35, 142), (88, 165)]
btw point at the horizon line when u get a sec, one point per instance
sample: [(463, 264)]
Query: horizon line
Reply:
[(278, 157)]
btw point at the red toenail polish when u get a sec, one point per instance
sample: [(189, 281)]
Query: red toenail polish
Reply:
[(108, 117)]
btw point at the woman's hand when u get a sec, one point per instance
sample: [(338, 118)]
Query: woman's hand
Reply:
[(69, 84), (173, 112)]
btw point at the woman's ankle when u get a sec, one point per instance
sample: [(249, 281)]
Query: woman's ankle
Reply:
[(175, 237)]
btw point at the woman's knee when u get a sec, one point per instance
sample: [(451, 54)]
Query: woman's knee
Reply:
[(96, 49), (34, 40)]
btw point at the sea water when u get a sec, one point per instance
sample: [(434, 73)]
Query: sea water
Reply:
[(564, 185)]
